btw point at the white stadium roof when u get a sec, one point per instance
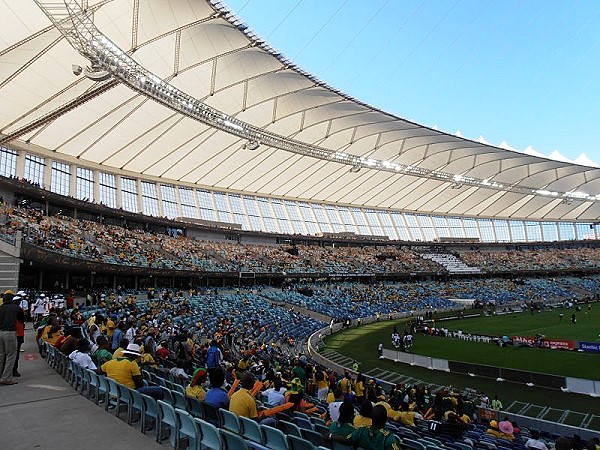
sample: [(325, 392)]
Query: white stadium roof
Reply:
[(219, 92)]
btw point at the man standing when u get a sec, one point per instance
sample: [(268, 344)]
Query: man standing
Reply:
[(20, 335), (9, 315)]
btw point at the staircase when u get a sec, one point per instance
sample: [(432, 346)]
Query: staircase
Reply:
[(451, 263), (10, 263)]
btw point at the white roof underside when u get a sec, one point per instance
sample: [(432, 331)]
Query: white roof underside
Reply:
[(214, 61)]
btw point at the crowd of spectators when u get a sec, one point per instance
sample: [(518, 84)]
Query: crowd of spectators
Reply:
[(114, 244), (533, 260)]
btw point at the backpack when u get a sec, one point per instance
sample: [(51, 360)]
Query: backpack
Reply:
[(212, 357)]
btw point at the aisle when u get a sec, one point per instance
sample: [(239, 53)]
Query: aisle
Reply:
[(45, 412)]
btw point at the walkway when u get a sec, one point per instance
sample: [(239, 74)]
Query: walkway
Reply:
[(44, 412)]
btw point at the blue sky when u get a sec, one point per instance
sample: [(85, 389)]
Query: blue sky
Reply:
[(525, 72)]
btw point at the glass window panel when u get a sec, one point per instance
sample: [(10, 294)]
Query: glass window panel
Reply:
[(268, 216), (441, 226), (322, 219), (149, 198), (550, 231), (107, 184), (414, 227), (470, 226), (85, 184), (60, 178), (533, 231), (34, 169), (347, 219), (207, 208), (487, 231), (188, 206), (585, 231), (335, 219), (223, 211), (567, 231), (456, 228), (169, 201), (373, 222), (239, 216), (400, 226), (8, 162), (280, 214), (427, 227), (254, 216), (517, 230), (129, 194), (502, 234)]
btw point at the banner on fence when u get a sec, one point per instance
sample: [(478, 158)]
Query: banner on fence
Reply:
[(559, 344), (593, 347)]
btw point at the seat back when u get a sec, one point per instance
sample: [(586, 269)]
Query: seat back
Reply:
[(210, 435), (188, 427), (274, 438), (251, 430), (298, 443), (179, 400), (195, 407), (302, 422), (413, 444), (168, 417), (229, 421), (233, 441), (313, 436), (289, 428), (339, 446), (211, 414)]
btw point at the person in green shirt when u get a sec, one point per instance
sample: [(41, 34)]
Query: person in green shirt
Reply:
[(102, 353), (375, 437), (343, 426)]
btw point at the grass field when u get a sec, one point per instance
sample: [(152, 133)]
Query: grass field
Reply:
[(361, 344), (587, 327), (573, 364)]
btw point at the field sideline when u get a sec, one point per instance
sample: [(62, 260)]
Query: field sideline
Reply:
[(361, 344)]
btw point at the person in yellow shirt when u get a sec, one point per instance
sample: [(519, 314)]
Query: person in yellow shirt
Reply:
[(126, 372), (359, 389), (195, 389), (110, 328), (363, 418), (118, 353), (243, 404), (321, 382)]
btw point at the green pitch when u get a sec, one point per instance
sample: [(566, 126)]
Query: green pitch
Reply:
[(361, 344)]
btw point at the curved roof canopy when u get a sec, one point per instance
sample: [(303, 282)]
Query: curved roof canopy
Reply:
[(184, 92)]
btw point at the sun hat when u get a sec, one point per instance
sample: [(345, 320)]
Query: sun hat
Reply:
[(295, 386), (132, 349), (9, 292), (506, 427)]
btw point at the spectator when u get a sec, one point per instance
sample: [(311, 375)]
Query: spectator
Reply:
[(10, 314), (375, 437), (534, 442), (363, 418), (214, 356), (343, 426), (81, 356), (243, 404), (127, 372), (196, 387), (276, 394), (216, 395)]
